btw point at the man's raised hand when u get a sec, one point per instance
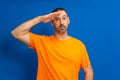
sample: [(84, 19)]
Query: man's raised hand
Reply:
[(49, 17)]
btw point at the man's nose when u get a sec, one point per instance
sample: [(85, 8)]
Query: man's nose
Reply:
[(61, 21)]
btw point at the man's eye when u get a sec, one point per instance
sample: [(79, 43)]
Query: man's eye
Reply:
[(64, 18), (57, 19)]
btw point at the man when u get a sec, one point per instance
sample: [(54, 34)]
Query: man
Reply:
[(60, 56)]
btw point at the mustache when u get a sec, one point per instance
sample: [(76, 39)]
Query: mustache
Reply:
[(61, 25)]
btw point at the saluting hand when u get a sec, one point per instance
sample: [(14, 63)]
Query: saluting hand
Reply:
[(49, 17)]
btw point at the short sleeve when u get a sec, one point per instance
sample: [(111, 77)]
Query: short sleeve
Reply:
[(33, 40), (84, 57)]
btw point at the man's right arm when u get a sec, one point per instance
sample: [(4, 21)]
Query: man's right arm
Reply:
[(22, 31)]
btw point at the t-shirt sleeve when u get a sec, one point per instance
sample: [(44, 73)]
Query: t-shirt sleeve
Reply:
[(33, 40), (84, 57)]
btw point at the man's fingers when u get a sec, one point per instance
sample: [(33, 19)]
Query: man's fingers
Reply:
[(50, 16), (56, 14), (53, 15)]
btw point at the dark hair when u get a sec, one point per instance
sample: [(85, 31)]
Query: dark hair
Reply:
[(58, 9)]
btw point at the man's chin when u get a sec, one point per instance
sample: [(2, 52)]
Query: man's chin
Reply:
[(62, 31)]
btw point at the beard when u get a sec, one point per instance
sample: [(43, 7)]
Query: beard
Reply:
[(61, 29)]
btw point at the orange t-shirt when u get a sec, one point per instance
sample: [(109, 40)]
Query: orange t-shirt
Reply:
[(58, 59)]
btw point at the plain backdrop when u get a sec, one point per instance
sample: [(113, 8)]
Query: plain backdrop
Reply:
[(95, 22)]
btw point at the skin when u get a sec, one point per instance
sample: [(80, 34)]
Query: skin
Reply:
[(60, 22)]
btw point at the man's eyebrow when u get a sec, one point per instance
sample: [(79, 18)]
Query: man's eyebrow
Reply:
[(64, 15)]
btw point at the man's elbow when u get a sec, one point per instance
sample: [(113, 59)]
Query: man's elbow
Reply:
[(15, 34)]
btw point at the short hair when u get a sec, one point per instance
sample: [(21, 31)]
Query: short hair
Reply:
[(60, 9)]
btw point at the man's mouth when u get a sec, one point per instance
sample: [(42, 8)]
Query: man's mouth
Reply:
[(62, 28)]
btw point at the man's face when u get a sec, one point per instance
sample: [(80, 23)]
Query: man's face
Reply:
[(60, 22)]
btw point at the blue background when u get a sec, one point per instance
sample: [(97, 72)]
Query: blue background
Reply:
[(95, 22)]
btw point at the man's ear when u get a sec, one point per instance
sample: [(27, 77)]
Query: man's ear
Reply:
[(51, 23), (68, 20)]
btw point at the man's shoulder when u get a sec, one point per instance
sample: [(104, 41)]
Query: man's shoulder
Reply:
[(76, 40), (37, 35)]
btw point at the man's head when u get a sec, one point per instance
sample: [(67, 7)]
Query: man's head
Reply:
[(60, 22)]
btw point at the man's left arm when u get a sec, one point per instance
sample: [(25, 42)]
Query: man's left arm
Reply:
[(88, 73)]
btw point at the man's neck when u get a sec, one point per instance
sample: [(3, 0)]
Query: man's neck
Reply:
[(63, 36)]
